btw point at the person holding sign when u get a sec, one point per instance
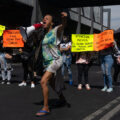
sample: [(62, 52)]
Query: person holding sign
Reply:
[(52, 59), (106, 60), (65, 48), (83, 62), (5, 68), (27, 59), (116, 62)]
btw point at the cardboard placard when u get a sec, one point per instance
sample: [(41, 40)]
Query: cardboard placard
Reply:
[(82, 42), (12, 38), (92, 42), (2, 28)]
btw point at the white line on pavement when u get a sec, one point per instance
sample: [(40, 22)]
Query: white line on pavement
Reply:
[(101, 110), (111, 113)]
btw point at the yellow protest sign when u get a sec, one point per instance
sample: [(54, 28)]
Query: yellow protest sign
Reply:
[(92, 42), (2, 28), (82, 42)]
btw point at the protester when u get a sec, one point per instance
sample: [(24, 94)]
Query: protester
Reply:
[(5, 63), (116, 62), (106, 60), (5, 67), (27, 59), (52, 59), (65, 48), (116, 69), (83, 64)]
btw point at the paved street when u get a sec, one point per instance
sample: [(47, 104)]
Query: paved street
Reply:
[(22, 103)]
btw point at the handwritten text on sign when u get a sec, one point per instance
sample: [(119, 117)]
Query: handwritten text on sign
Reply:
[(82, 42), (92, 42), (12, 38), (103, 40)]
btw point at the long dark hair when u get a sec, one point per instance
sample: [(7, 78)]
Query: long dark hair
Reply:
[(55, 20), (87, 53)]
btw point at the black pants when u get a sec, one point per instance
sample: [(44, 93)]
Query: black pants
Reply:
[(83, 70), (116, 71), (28, 69)]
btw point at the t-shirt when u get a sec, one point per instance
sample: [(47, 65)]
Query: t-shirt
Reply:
[(65, 45), (83, 59), (50, 50)]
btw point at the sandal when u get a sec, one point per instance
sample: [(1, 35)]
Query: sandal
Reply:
[(44, 113)]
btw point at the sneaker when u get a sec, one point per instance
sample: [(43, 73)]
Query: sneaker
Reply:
[(2, 82), (80, 87), (104, 89), (8, 83), (87, 86), (109, 90), (32, 85), (70, 82), (22, 84)]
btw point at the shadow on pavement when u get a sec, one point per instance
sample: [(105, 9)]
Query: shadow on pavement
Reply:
[(55, 103)]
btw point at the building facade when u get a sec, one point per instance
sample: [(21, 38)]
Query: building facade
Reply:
[(27, 12)]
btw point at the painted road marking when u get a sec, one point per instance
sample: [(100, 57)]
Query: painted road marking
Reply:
[(101, 110), (111, 113)]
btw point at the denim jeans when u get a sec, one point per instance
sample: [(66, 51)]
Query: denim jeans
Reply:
[(106, 65), (67, 63), (5, 68)]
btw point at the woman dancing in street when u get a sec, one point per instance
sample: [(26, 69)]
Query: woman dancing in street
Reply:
[(52, 59)]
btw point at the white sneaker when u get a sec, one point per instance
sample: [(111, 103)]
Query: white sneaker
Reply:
[(109, 90), (2, 82), (104, 89), (32, 85), (22, 84), (8, 83)]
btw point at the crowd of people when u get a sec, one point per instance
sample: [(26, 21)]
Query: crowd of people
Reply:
[(47, 52)]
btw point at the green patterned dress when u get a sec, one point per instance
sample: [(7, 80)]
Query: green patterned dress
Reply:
[(52, 58)]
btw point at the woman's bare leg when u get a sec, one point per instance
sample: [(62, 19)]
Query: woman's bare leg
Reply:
[(44, 84)]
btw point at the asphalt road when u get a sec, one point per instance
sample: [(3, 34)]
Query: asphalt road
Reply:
[(22, 103)]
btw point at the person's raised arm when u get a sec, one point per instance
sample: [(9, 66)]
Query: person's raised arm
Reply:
[(63, 25)]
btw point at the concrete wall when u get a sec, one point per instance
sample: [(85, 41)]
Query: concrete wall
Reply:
[(86, 18)]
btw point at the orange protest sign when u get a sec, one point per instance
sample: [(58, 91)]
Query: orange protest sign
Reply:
[(103, 40), (12, 38)]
